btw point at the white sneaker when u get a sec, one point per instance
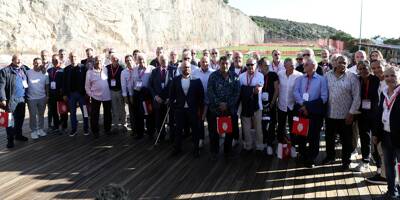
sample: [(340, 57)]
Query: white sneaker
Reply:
[(201, 143), (293, 152), (270, 151), (354, 155), (362, 167), (41, 133), (34, 135)]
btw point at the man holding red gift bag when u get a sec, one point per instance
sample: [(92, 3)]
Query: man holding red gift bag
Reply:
[(223, 91), (13, 83), (311, 93)]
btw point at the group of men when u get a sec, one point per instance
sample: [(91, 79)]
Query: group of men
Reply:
[(263, 96)]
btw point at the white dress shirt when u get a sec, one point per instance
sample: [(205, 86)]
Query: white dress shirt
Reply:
[(203, 76), (353, 69), (257, 79), (141, 77), (386, 109), (278, 68), (127, 82), (96, 85), (286, 85)]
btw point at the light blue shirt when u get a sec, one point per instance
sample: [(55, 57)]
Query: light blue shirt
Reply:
[(316, 87), (19, 87)]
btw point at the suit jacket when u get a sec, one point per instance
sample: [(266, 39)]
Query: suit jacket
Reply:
[(155, 82), (80, 79), (394, 121), (194, 97), (7, 85), (373, 96)]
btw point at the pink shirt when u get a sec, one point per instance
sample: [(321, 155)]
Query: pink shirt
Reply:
[(96, 85)]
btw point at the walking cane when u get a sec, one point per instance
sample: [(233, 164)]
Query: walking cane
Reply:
[(162, 126)]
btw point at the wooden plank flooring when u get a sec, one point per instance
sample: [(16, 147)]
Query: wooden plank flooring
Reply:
[(60, 167)]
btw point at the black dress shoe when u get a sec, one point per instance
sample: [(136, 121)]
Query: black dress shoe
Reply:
[(196, 153), (176, 152), (10, 144), (327, 161), (21, 138), (138, 137)]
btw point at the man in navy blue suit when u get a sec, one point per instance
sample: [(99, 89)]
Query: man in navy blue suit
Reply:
[(186, 97)]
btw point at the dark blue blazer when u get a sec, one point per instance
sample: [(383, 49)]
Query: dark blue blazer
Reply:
[(194, 97), (155, 82), (7, 86)]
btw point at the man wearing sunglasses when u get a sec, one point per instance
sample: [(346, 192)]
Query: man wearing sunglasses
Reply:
[(300, 63), (276, 64)]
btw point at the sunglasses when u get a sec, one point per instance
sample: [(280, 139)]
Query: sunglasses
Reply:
[(250, 65), (299, 58), (186, 58), (306, 54), (277, 54), (214, 53)]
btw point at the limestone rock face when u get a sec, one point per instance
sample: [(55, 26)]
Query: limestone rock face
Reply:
[(29, 26)]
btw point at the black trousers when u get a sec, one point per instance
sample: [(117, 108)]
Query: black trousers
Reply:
[(366, 126), (391, 154), (18, 115), (345, 132), (284, 117), (53, 116), (269, 127), (235, 126), (313, 139), (95, 115), (130, 108), (139, 117), (214, 136), (160, 111), (182, 117)]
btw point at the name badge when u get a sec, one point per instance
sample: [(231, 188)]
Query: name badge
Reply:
[(113, 82), (162, 85), (53, 85), (138, 85), (306, 96), (366, 104), (25, 84), (85, 111), (265, 96)]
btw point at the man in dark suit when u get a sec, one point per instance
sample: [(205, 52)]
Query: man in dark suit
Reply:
[(13, 83), (159, 83), (89, 61), (186, 97)]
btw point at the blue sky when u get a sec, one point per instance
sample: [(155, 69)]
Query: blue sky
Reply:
[(379, 17)]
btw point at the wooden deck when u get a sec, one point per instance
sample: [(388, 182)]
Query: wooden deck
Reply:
[(60, 167)]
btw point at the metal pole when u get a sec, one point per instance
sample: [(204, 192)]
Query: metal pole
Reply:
[(361, 16)]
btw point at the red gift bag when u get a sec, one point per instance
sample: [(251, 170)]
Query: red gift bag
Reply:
[(6, 119), (224, 125), (300, 126), (283, 151), (62, 107)]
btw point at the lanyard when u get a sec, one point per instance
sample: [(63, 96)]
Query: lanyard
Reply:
[(251, 79), (53, 75), (389, 103), (308, 83), (266, 81), (366, 89), (113, 73), (141, 73)]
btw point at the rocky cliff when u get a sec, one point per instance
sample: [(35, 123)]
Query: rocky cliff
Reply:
[(31, 25)]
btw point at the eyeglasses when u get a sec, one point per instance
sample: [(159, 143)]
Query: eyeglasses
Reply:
[(299, 58), (306, 54), (186, 58), (214, 53), (277, 54), (250, 64)]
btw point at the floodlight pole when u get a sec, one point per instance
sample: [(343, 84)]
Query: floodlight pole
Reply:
[(361, 16)]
